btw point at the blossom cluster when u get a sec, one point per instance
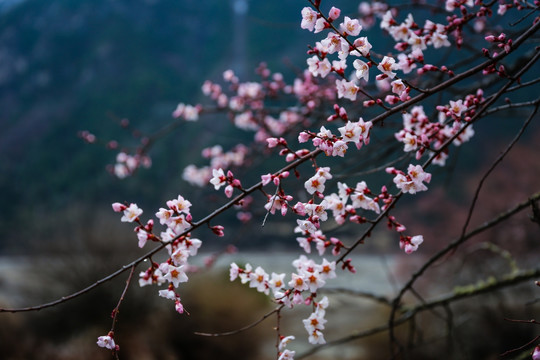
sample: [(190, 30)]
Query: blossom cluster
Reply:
[(127, 164), (177, 239), (327, 80), (200, 176), (419, 134), (411, 182), (356, 132), (308, 278)]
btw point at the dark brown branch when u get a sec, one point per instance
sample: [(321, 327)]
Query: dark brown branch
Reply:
[(511, 106), (532, 321), (409, 313)]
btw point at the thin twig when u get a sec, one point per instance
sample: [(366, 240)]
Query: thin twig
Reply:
[(117, 308), (364, 294), (247, 327), (492, 167), (521, 347)]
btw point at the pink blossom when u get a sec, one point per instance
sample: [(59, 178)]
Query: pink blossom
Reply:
[(179, 205), (178, 224), (400, 32), (277, 202), (218, 179), (457, 107), (303, 137), (339, 66), (309, 17), (362, 69), (315, 183), (314, 324), (320, 25), (317, 210), (179, 111), (175, 275), (417, 174), (107, 342), (328, 270), (164, 215), (334, 13), (131, 213), (259, 280), (339, 148), (350, 26), (501, 11), (228, 75), (387, 65), (179, 307), (439, 40), (191, 113), (287, 355), (398, 87), (333, 43), (168, 294), (118, 207), (306, 226), (298, 282), (276, 282), (362, 45), (143, 237), (319, 67), (347, 89), (410, 244), (233, 271), (350, 132), (410, 141), (417, 42), (387, 20), (218, 230), (229, 190), (265, 179)]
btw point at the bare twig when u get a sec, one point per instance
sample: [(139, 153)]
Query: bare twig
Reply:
[(364, 294), (521, 347), (495, 163), (247, 327), (117, 308)]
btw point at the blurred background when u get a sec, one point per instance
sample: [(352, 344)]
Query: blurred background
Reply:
[(72, 65), (67, 66)]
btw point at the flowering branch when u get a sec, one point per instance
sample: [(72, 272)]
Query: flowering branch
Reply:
[(457, 103), (148, 255)]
